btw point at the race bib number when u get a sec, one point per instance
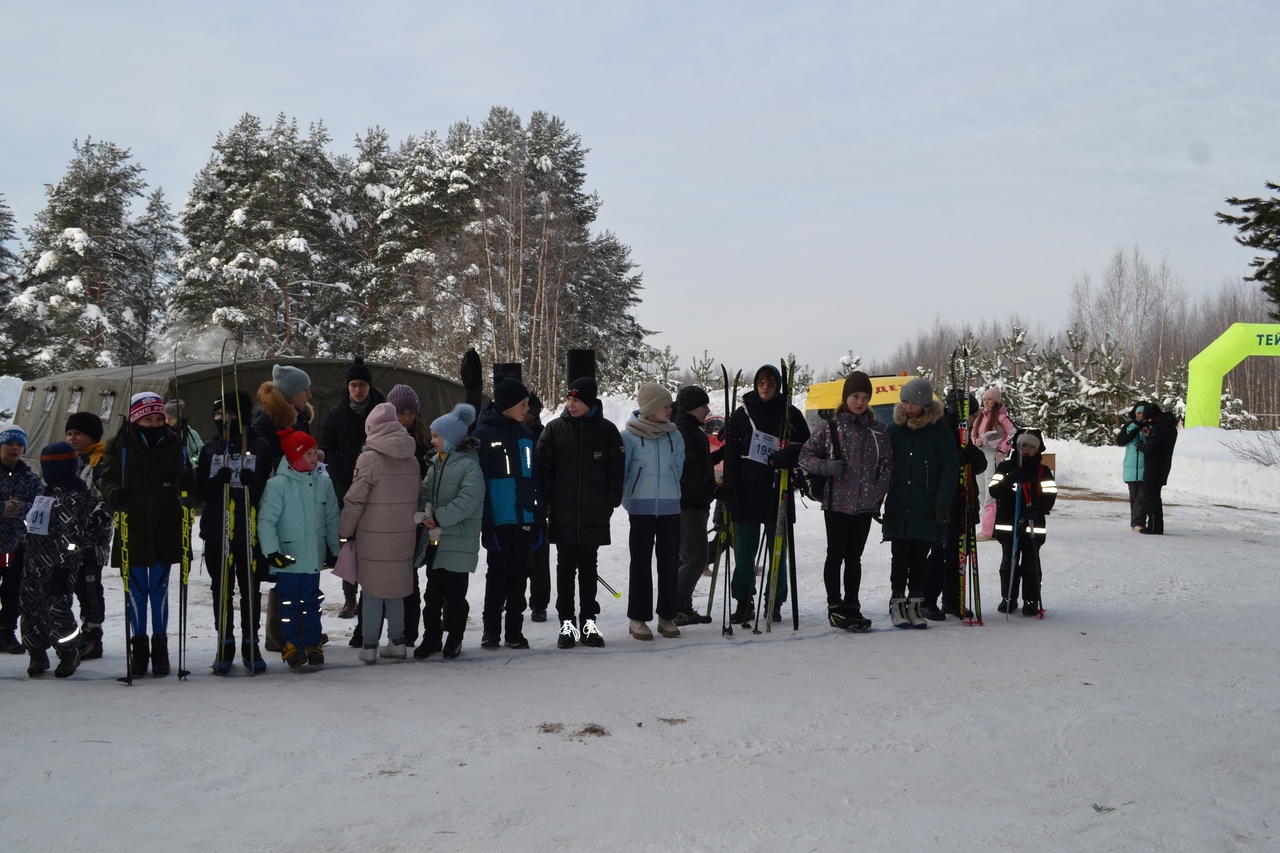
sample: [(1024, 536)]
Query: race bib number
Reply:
[(38, 517), (235, 463), (761, 446)]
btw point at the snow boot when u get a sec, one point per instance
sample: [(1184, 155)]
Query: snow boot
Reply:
[(160, 655), (452, 646), (898, 613), (569, 635), (667, 628), (225, 658), (517, 642), (1030, 608), (490, 640), (315, 656), (369, 654), (68, 660), (90, 646), (293, 656), (1003, 606), (591, 635), (777, 615), (9, 643), (394, 650), (745, 612), (913, 613), (931, 612), (639, 630), (251, 656), (348, 610), (141, 656), (426, 649), (39, 663)]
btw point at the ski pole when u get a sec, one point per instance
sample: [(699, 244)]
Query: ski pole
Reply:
[(604, 583)]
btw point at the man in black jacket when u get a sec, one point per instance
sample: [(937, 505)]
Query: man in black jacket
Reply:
[(697, 491), (1161, 433), (582, 464)]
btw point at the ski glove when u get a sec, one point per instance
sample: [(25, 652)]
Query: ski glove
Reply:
[(536, 537), (122, 498), (222, 478), (489, 539), (279, 561), (941, 514)]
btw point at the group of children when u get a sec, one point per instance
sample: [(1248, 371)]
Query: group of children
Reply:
[(272, 513)]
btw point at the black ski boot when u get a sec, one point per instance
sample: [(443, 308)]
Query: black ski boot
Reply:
[(452, 645), (160, 655), (1030, 608), (744, 612), (930, 611), (141, 656), (226, 657), (91, 644), (39, 663), (251, 656), (1003, 606), (68, 660)]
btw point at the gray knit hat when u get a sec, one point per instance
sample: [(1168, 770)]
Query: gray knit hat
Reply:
[(290, 380), (652, 398), (918, 391)]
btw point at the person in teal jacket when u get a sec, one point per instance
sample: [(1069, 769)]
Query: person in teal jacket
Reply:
[(651, 496), (452, 513), (1131, 438), (298, 533)]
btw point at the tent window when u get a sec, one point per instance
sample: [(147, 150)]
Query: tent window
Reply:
[(74, 405), (31, 398), (108, 402), (51, 392)]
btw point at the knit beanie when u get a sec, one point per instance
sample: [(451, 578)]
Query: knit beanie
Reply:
[(535, 405), (291, 381), (241, 404), (358, 371), (175, 409), (14, 433), (87, 423), (508, 393), (295, 443), (856, 382), (992, 393), (58, 463), (453, 426), (404, 398), (918, 391), (691, 397), (584, 390), (145, 403), (383, 413), (652, 398)]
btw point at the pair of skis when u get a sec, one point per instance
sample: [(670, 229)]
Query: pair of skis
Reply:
[(970, 592), (783, 540)]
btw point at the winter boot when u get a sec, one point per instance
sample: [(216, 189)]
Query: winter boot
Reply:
[(9, 643), (1003, 606), (293, 656), (490, 640), (39, 663), (426, 648), (369, 654), (518, 641), (274, 642), (226, 656), (744, 612), (853, 612), (898, 613), (1030, 608), (538, 615), (777, 614), (569, 635), (930, 611), (160, 655), (913, 613), (639, 630), (315, 656), (251, 656), (68, 660), (591, 635), (141, 656), (394, 649), (91, 643), (348, 610), (452, 646), (667, 628)]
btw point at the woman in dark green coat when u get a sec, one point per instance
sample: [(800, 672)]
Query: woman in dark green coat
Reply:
[(918, 506)]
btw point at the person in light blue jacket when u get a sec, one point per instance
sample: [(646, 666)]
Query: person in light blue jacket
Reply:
[(651, 496), (298, 532), (1131, 438)]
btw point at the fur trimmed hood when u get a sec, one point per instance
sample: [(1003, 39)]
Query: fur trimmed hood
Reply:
[(277, 409), (931, 415)]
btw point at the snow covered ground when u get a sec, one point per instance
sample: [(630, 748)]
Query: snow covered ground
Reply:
[(1139, 714)]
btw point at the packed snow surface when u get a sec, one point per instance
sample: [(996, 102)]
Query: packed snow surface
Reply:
[(1139, 714)]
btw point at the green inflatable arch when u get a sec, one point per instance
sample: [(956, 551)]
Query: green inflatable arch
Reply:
[(1205, 371)]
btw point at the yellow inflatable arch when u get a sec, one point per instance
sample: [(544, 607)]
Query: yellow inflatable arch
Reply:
[(1205, 371)]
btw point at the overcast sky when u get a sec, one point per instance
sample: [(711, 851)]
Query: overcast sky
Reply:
[(807, 177)]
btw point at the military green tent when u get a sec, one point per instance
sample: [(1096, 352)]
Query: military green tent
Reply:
[(43, 404)]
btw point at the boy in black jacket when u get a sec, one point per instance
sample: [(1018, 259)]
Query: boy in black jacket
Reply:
[(1024, 490)]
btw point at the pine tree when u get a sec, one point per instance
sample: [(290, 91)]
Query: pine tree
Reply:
[(1259, 228), (10, 361)]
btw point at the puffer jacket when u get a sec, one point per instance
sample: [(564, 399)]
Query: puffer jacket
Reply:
[(1024, 488), (751, 493), (927, 469), (1162, 436), (299, 517), (156, 480), (273, 414), (454, 486), (582, 466), (1130, 437), (698, 482), (1003, 425), (378, 511), (654, 466), (75, 522), (510, 465), (860, 478), (21, 483)]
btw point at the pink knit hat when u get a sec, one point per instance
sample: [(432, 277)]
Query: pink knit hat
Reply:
[(383, 413)]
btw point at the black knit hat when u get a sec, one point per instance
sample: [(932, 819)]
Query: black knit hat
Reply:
[(585, 391), (58, 463), (245, 401), (87, 423), (690, 398), (358, 371), (508, 393)]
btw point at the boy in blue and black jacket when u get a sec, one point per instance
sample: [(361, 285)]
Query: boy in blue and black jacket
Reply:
[(513, 514)]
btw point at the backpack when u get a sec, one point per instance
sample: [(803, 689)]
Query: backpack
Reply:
[(814, 486)]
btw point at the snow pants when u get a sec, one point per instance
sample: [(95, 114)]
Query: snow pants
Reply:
[(46, 610), (300, 600), (693, 551), (1026, 573), (504, 582), (250, 591), (746, 540), (445, 607)]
